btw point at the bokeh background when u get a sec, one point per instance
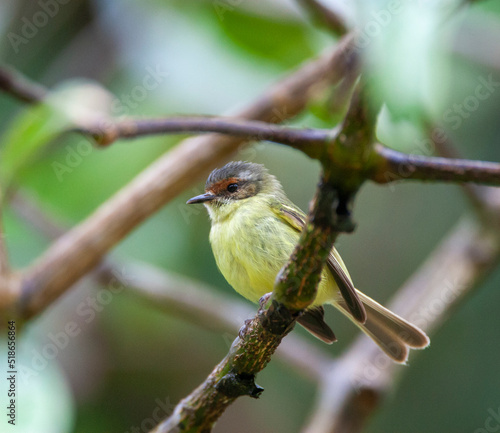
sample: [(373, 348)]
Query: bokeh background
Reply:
[(210, 57)]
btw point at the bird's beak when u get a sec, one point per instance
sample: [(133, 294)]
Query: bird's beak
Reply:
[(202, 198)]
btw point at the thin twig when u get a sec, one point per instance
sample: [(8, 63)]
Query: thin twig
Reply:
[(79, 250), (387, 165), (392, 166), (310, 141), (15, 84)]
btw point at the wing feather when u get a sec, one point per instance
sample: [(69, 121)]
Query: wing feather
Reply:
[(313, 321), (296, 219)]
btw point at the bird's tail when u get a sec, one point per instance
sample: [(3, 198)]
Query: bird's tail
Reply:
[(393, 334)]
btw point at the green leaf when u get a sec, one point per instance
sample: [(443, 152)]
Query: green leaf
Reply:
[(73, 104), (408, 67), (283, 41)]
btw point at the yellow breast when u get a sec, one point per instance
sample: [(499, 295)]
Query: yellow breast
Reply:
[(251, 245)]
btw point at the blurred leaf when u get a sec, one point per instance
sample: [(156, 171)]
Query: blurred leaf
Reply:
[(43, 400), (72, 104), (488, 6), (409, 76), (284, 42), (327, 108)]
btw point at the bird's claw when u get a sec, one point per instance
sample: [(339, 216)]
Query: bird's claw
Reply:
[(264, 299), (242, 330)]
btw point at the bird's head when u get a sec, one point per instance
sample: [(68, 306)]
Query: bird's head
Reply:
[(235, 183)]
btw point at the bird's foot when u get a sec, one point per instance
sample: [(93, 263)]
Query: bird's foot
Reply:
[(243, 329)]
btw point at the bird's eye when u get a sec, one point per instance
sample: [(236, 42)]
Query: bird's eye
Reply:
[(232, 187)]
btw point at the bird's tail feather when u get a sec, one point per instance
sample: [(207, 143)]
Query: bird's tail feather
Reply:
[(393, 334)]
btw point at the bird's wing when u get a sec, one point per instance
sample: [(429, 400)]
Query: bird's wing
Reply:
[(296, 219), (313, 320)]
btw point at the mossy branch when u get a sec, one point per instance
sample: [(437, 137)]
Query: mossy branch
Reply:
[(260, 337)]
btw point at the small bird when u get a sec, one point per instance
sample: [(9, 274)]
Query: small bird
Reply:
[(255, 228)]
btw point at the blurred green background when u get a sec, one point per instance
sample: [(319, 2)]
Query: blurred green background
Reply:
[(209, 57)]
